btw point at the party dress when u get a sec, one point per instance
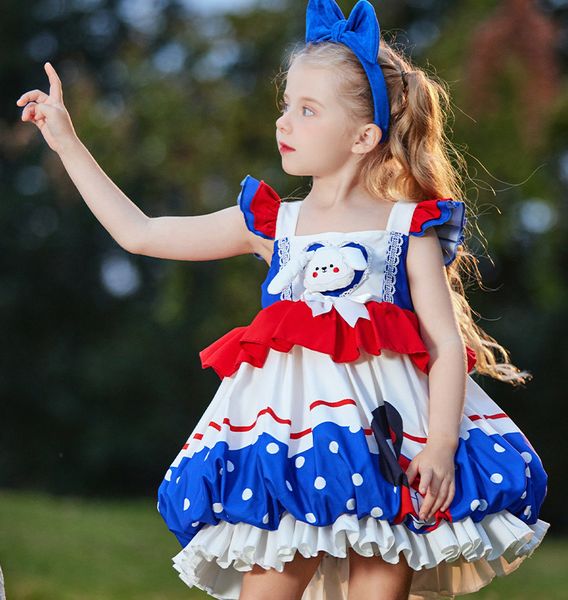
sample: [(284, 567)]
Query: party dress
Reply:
[(322, 405)]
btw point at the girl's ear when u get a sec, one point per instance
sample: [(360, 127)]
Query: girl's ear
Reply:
[(368, 137)]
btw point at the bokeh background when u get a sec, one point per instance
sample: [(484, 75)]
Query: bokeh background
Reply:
[(100, 378)]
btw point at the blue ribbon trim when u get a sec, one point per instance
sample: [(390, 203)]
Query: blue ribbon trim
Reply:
[(452, 214)]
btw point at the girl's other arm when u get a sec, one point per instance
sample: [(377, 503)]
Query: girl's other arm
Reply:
[(202, 237), (431, 297)]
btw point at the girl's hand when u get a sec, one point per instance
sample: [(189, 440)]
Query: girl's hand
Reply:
[(437, 476), (48, 112)]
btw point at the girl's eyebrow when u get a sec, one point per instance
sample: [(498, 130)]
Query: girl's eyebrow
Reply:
[(308, 99)]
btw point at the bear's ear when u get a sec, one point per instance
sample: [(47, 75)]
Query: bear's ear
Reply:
[(288, 273), (354, 258)]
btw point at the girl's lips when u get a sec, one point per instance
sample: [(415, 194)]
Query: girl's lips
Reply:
[(285, 148)]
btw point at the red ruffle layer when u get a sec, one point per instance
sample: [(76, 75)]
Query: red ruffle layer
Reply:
[(264, 207), (285, 323), (427, 211)]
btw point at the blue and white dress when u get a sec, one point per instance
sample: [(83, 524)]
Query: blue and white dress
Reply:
[(322, 405)]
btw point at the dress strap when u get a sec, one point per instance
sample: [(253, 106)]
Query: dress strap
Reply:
[(287, 218), (401, 216)]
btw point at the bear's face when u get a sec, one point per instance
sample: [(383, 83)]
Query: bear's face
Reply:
[(329, 269)]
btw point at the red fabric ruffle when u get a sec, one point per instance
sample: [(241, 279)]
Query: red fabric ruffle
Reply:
[(264, 206), (429, 211), (285, 323)]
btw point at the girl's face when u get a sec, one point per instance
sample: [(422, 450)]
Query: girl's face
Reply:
[(313, 123)]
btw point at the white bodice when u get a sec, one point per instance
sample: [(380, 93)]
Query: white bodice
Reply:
[(343, 269)]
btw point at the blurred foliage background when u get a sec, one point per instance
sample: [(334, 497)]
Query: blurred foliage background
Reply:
[(100, 377)]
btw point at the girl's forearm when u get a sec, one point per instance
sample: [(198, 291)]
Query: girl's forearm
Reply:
[(447, 381), (116, 212)]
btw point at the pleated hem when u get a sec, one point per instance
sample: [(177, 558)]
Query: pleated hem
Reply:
[(455, 559)]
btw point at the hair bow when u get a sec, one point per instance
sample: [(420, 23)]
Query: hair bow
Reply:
[(360, 32)]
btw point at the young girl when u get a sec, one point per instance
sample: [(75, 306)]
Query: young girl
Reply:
[(348, 452)]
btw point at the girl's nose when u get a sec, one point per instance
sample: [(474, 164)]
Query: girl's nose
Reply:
[(281, 122)]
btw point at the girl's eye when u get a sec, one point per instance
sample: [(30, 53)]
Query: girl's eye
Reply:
[(284, 105)]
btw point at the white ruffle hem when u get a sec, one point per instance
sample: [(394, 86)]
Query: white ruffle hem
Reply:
[(454, 559)]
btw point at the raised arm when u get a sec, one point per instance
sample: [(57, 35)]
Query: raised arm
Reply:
[(202, 237)]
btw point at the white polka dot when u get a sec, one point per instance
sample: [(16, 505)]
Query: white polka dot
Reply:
[(217, 507), (354, 428), (498, 448), (527, 510), (524, 495), (395, 489), (496, 478), (230, 466), (376, 511), (265, 518), (178, 478), (319, 483), (527, 456), (300, 462), (465, 435), (186, 504), (350, 504), (289, 485), (168, 476), (528, 472), (207, 455), (195, 524), (334, 447), (272, 448), (221, 471), (357, 479), (247, 494), (474, 504), (483, 504), (310, 517)]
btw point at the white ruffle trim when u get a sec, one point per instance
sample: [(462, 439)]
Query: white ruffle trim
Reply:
[(456, 558)]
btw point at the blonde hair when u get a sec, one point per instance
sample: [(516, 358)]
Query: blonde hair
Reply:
[(413, 164)]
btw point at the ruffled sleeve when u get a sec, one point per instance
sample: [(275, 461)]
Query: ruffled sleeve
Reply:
[(259, 204), (448, 218)]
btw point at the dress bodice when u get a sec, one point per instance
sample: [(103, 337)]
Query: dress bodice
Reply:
[(344, 269), (341, 269)]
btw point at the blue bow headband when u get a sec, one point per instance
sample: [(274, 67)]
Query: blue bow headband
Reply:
[(361, 33)]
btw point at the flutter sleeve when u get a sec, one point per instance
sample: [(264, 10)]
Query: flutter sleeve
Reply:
[(448, 218), (259, 204)]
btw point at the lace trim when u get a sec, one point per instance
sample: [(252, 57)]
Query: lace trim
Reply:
[(394, 251), (283, 258)]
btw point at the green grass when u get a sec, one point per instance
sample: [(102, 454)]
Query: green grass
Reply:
[(69, 549)]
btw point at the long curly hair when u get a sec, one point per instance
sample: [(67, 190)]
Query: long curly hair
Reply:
[(415, 164)]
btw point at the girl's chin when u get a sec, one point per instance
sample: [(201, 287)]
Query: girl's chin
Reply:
[(295, 170)]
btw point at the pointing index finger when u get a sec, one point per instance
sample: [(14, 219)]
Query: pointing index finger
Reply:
[(55, 87)]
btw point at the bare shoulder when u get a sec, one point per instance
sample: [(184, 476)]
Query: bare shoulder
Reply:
[(424, 252)]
